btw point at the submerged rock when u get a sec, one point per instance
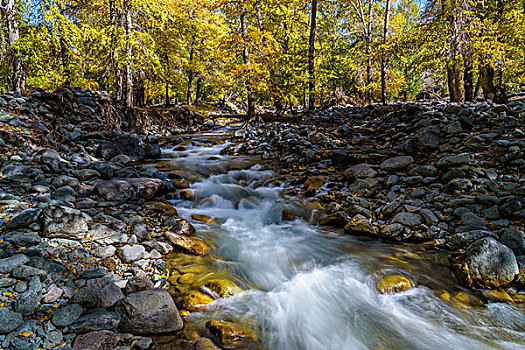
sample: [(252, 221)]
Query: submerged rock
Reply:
[(393, 284)]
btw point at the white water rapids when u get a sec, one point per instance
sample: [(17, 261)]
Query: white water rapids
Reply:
[(309, 289)]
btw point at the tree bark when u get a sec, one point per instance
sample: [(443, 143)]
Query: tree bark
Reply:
[(246, 57), (190, 76), (455, 87), (114, 55), (129, 73), (311, 57), (486, 76), (19, 79), (383, 64), (468, 77), (198, 91)]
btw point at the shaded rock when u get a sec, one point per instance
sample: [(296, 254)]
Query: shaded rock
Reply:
[(205, 344), (23, 239), (24, 219), (512, 238), (486, 263), (128, 189), (397, 163), (7, 265), (454, 160), (408, 219), (361, 225), (362, 171), (464, 239), (96, 321), (138, 284), (64, 222), (149, 312), (106, 291), (152, 151), (511, 205), (9, 320), (99, 340), (67, 315)]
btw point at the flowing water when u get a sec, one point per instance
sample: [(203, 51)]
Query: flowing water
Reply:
[(306, 288)]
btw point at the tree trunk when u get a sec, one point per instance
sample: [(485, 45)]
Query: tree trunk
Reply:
[(167, 94), (246, 57), (383, 73), (129, 73), (19, 79), (486, 76), (468, 78), (311, 57), (190, 76), (198, 91), (455, 87)]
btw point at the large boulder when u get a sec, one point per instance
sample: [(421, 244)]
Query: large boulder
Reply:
[(486, 263), (149, 312), (128, 189), (64, 222)]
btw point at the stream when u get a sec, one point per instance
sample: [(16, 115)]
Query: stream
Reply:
[(310, 288)]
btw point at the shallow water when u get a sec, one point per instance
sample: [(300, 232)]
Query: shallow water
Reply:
[(307, 288)]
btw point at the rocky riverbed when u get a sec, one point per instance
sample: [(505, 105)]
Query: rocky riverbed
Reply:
[(93, 255), (445, 175)]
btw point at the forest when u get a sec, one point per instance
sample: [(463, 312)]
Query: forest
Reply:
[(266, 52)]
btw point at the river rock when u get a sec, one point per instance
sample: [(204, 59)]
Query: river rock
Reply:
[(192, 300), (106, 291), (205, 344), (96, 321), (513, 239), (361, 225), (408, 219), (454, 160), (486, 263), (24, 219), (222, 288), (23, 239), (128, 189), (99, 340), (64, 222), (67, 315), (7, 265), (9, 320), (149, 312), (397, 163), (192, 245), (393, 284), (228, 335), (361, 171), (26, 302), (131, 253)]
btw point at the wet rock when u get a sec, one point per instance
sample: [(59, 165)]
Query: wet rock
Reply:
[(9, 320), (152, 151), (64, 222), (394, 231), (397, 163), (203, 218), (96, 321), (486, 263), (205, 344), (361, 225), (67, 315), (228, 335), (149, 312), (192, 245), (393, 284), (7, 265), (99, 340), (192, 300), (222, 288)]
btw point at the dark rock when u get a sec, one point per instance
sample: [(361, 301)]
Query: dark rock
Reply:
[(99, 340), (24, 219), (97, 321), (513, 239), (26, 302), (152, 151), (360, 225), (511, 205), (128, 189), (9, 320), (7, 265), (455, 160), (464, 239), (408, 219), (138, 284), (106, 291), (23, 239), (67, 315), (397, 163), (149, 312)]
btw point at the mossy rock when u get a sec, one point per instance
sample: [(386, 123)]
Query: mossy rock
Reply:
[(164, 208), (314, 182), (187, 278), (186, 195), (223, 287), (393, 284), (191, 245), (228, 335), (192, 300)]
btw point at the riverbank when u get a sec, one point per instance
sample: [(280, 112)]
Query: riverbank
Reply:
[(102, 226)]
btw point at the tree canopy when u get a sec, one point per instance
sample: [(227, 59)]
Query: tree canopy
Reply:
[(272, 52)]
